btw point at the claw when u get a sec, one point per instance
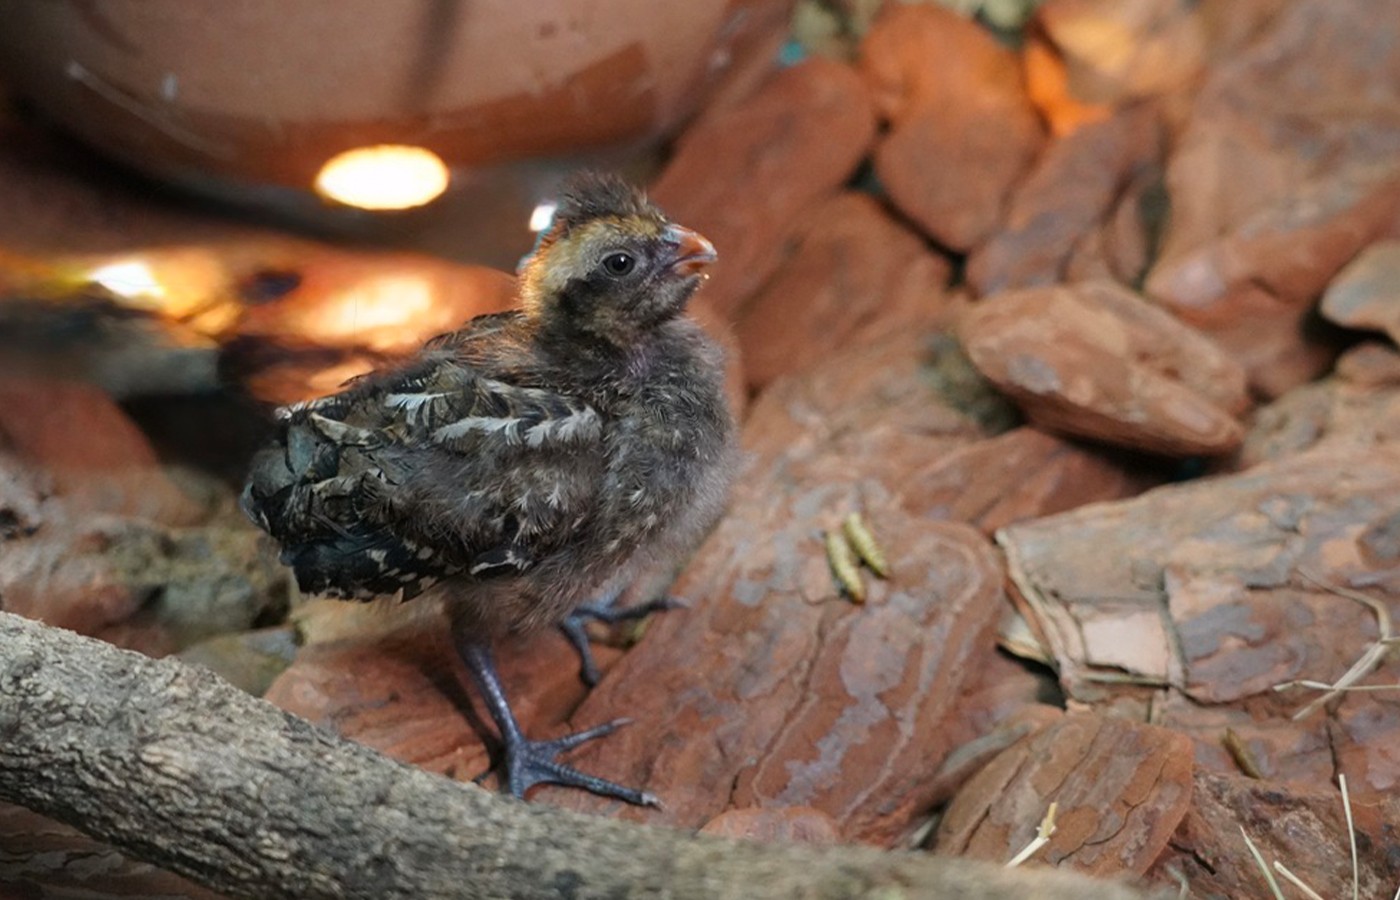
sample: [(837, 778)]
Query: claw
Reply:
[(574, 627), (527, 762)]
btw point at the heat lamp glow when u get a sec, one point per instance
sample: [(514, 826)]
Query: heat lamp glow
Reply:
[(131, 279), (383, 177)]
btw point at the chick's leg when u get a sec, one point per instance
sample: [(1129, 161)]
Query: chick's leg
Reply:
[(605, 610), (527, 762)]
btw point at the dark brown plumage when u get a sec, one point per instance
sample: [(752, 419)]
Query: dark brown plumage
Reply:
[(528, 465)]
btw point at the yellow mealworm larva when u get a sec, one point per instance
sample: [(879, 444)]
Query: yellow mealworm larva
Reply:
[(843, 566), (865, 545)]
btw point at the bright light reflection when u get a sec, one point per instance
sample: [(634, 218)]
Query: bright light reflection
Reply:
[(131, 279), (542, 216), (386, 176), (379, 312)]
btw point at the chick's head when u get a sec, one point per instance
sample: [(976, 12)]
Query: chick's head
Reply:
[(611, 265)]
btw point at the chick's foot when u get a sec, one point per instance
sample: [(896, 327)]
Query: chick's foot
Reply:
[(575, 627), (527, 762)]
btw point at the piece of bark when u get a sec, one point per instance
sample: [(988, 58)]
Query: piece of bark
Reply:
[(1304, 828), (776, 690), (175, 766), (51, 424), (1359, 405), (1365, 293), (1067, 193), (963, 129), (1282, 174), (890, 403), (749, 176), (135, 582), (796, 824), (1121, 790), (1020, 475), (1156, 46), (1211, 586), (397, 686), (1097, 361), (856, 275)]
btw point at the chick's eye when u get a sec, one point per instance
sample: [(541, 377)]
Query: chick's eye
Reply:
[(619, 264)]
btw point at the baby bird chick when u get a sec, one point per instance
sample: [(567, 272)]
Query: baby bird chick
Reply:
[(527, 466)]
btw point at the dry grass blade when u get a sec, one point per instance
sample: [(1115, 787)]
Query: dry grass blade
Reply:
[(1296, 881), (1263, 866), (1351, 833), (1369, 661), (1042, 837)]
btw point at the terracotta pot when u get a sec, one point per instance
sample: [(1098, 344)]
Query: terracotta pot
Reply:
[(263, 91)]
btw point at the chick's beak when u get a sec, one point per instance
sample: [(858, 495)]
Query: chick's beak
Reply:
[(691, 253)]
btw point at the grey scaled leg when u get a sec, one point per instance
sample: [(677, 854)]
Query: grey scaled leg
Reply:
[(604, 610), (527, 762)]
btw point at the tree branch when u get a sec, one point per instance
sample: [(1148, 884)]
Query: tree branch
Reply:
[(173, 765)]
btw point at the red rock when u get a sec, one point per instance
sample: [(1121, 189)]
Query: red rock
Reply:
[(1068, 192), (1303, 828), (856, 274), (963, 129), (797, 824), (1122, 789), (1366, 294), (96, 459), (750, 175), (1097, 361)]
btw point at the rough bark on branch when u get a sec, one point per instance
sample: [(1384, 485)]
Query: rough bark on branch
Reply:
[(173, 765)]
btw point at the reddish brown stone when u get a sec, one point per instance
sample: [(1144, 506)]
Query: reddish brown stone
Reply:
[(855, 275), (796, 824), (964, 130), (1366, 294), (1122, 789), (1097, 361), (1304, 828), (1068, 192), (750, 175)]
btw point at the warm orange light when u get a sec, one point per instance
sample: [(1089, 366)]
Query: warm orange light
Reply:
[(383, 312), (386, 176)]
